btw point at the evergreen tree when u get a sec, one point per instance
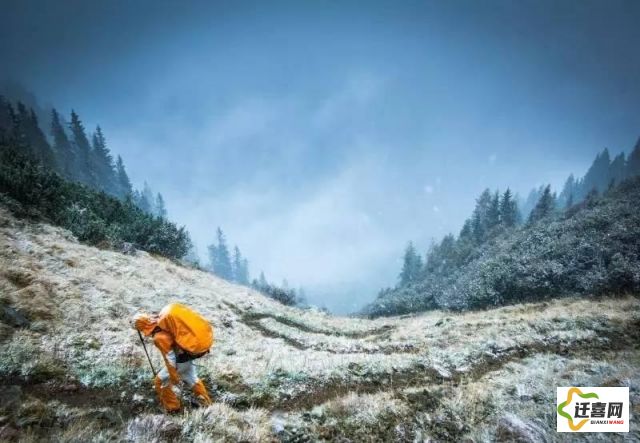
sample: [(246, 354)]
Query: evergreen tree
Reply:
[(509, 216), (103, 164), (124, 184), (6, 120), (597, 177), (480, 217), (65, 154), (545, 206), (531, 201), (220, 261), (244, 274), (144, 199), (411, 267), (302, 298), (240, 268), (161, 210), (467, 230), (617, 169), (570, 202), (441, 258), (262, 281), (192, 257), (569, 189), (33, 137), (493, 212), (21, 130), (632, 168), (83, 167)]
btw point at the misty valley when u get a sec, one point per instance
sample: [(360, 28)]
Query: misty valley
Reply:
[(304, 222)]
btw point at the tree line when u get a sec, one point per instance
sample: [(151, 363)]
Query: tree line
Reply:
[(72, 178), (235, 267), (496, 217), (603, 174), (74, 153)]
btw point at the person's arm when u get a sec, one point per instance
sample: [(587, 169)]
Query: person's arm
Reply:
[(164, 342)]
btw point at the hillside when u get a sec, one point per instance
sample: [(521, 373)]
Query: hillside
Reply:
[(73, 370), (589, 248)]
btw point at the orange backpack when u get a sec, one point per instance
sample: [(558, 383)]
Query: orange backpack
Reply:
[(191, 331)]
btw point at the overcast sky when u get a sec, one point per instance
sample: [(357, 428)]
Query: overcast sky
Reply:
[(323, 135)]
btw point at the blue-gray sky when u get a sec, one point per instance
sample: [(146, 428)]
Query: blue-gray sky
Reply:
[(323, 135)]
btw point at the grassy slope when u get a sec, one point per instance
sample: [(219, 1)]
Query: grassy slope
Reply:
[(279, 373)]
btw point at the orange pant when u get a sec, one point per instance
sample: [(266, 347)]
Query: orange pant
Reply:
[(170, 400), (171, 375)]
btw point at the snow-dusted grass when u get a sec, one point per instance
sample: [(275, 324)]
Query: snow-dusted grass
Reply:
[(297, 371)]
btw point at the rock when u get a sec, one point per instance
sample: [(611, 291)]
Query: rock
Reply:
[(10, 397), (128, 249), (137, 398), (512, 428)]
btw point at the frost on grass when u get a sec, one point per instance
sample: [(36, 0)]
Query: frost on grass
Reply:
[(278, 372)]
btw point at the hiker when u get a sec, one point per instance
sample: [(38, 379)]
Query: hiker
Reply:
[(181, 335)]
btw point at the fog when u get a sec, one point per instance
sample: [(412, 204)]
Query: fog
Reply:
[(323, 136)]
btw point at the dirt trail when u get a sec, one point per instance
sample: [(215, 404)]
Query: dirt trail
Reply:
[(253, 321), (627, 337)]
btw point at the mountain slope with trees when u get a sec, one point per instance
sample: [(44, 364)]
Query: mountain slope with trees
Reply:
[(589, 247), (75, 183)]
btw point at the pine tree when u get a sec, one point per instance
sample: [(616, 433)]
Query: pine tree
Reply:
[(144, 200), (240, 267), (411, 267), (64, 152), (531, 201), (124, 184), (6, 120), (569, 202), (220, 261), (83, 167), (302, 298), (617, 169), (479, 218), (103, 164), (597, 177), (493, 212), (545, 206), (39, 142), (22, 129), (568, 189), (467, 230), (161, 210), (632, 168), (26, 131), (509, 215), (244, 273), (262, 280)]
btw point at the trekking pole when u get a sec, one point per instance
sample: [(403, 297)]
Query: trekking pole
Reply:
[(145, 351)]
